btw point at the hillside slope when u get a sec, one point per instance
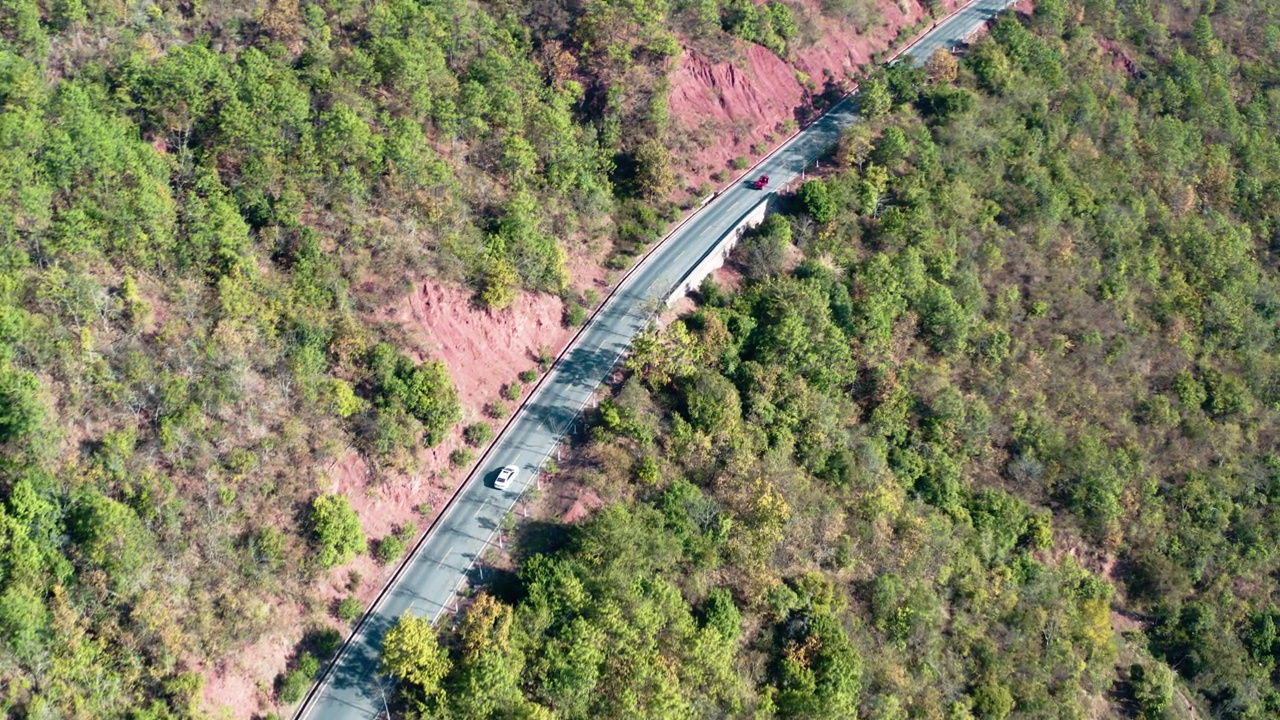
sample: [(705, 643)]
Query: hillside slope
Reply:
[(224, 409)]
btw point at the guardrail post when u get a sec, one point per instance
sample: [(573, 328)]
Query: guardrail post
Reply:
[(382, 690)]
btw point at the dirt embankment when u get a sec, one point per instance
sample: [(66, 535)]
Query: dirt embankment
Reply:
[(725, 108), (482, 350)]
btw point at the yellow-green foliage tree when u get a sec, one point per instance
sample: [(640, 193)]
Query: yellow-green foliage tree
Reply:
[(412, 654)]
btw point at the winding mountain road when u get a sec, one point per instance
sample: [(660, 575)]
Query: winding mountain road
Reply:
[(427, 584)]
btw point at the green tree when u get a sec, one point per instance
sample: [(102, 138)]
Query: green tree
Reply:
[(874, 99), (1051, 16), (944, 321), (519, 158), (822, 676), (817, 200), (654, 176), (21, 413), (762, 251), (1152, 689), (534, 254), (782, 20), (712, 402), (113, 538), (892, 148), (424, 390), (992, 700), (990, 65)]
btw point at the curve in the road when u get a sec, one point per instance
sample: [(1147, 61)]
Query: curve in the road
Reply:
[(427, 583)]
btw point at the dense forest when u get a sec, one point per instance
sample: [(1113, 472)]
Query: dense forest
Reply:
[(990, 428), (200, 205)]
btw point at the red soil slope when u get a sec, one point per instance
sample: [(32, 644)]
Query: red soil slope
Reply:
[(727, 107)]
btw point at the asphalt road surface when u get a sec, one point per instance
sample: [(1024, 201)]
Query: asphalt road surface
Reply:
[(428, 584), (955, 29)]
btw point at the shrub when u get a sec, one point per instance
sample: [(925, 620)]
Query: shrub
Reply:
[(545, 358), (336, 530), (350, 608), (477, 434), (391, 547), (461, 457), (528, 376), (712, 294), (497, 410), (268, 546), (327, 642), (740, 163), (184, 691), (294, 684), (574, 315), (511, 391)]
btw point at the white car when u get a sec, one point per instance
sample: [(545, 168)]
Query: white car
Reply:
[(505, 476)]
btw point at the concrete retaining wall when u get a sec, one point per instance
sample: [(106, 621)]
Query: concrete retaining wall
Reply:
[(714, 259)]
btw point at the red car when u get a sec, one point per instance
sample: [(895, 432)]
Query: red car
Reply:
[(760, 183)]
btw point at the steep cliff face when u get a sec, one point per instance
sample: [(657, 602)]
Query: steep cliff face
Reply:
[(736, 108)]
